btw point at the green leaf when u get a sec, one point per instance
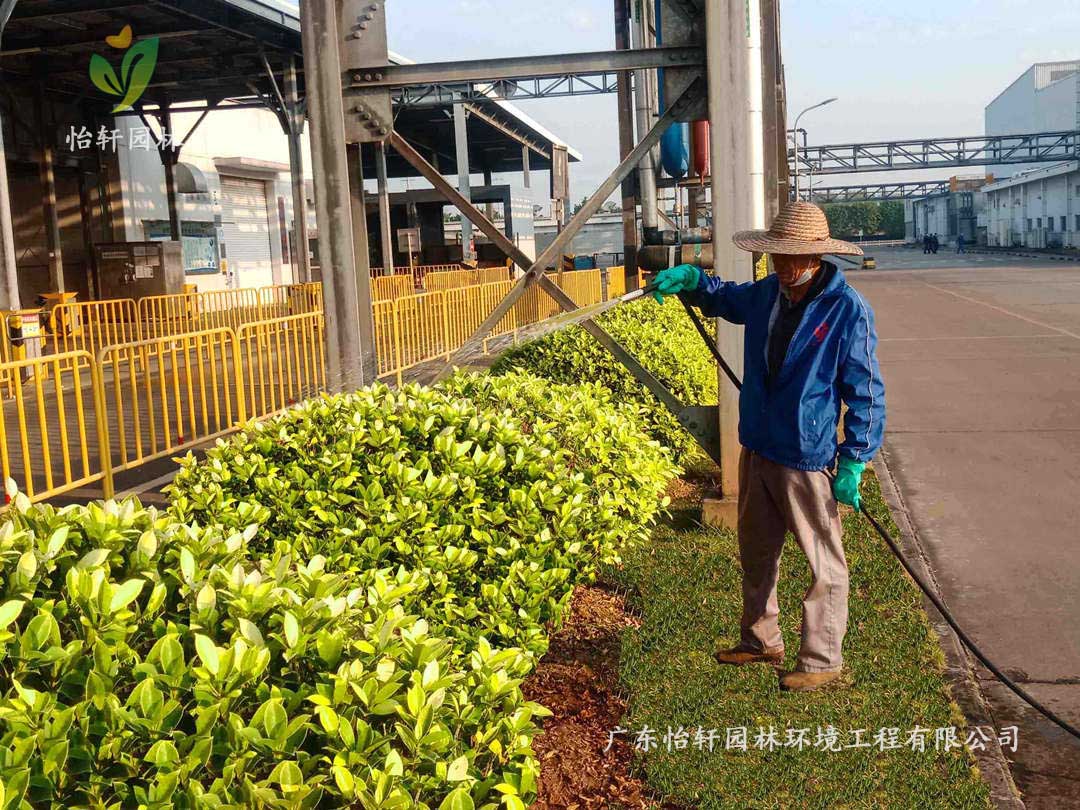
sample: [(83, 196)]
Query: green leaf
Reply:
[(393, 765), (206, 598), (292, 629), (458, 770), (136, 71), (126, 594), (103, 76), (458, 800), (288, 775), (208, 653), (28, 565), (9, 612), (344, 780)]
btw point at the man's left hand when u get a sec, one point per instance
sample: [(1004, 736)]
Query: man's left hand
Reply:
[(846, 486)]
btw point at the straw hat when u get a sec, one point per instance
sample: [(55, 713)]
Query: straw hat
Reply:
[(800, 230)]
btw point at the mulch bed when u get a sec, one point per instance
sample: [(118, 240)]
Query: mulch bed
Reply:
[(578, 680)]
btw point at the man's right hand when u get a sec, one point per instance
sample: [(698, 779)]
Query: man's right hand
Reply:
[(675, 280)]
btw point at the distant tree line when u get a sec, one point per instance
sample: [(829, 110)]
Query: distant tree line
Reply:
[(883, 220)]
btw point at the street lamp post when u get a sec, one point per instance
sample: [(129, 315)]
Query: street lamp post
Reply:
[(796, 130)]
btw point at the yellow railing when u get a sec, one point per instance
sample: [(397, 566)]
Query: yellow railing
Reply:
[(450, 279), (74, 417), (90, 325), (387, 288), (283, 361), (616, 282), (170, 392), (489, 275), (53, 427)]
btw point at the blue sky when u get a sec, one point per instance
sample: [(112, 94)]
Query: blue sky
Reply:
[(915, 69)]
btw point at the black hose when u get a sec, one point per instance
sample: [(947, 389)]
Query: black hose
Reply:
[(965, 639)]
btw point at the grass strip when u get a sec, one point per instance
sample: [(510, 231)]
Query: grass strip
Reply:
[(686, 588)]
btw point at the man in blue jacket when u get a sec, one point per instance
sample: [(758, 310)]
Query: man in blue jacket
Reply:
[(810, 345)]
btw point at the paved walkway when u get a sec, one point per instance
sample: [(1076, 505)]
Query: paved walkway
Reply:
[(981, 358)]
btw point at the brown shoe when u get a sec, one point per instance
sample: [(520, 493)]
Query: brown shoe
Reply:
[(798, 681), (741, 655)]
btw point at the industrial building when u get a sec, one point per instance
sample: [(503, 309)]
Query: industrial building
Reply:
[(949, 214), (1044, 98), (1036, 209)]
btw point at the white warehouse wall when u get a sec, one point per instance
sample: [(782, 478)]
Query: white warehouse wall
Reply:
[(254, 135), (1033, 103)]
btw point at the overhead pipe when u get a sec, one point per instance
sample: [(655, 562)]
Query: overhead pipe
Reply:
[(644, 114), (675, 145)]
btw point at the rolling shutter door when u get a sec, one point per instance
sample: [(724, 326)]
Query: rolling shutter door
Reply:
[(246, 227)]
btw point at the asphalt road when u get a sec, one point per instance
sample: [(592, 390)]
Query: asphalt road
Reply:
[(981, 359)]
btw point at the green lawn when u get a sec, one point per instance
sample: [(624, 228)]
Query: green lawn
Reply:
[(685, 587)]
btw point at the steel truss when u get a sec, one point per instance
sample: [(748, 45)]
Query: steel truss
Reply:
[(934, 153), (695, 419), (878, 192)]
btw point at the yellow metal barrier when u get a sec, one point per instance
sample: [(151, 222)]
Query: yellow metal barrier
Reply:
[(450, 279), (169, 392), (616, 282), (282, 362), (387, 288), (469, 306), (91, 325), (535, 305), (54, 426), (182, 313), (489, 275), (584, 286), (421, 326)]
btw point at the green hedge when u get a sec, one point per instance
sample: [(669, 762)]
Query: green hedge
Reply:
[(338, 609), (155, 665), (660, 336)]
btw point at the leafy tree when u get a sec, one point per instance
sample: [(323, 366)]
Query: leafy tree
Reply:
[(892, 219)]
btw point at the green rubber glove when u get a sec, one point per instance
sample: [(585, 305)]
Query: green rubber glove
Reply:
[(675, 280), (846, 486)]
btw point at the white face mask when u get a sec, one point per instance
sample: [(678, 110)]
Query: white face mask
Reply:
[(804, 278)]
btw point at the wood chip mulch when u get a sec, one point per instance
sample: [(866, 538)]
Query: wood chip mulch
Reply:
[(578, 681)]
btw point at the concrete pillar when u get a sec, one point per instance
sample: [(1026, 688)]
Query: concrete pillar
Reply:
[(727, 38), (296, 170), (333, 204), (386, 235), (9, 275), (461, 141)]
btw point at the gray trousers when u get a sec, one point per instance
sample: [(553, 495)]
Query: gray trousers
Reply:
[(773, 500)]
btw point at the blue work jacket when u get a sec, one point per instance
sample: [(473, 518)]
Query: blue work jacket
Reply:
[(792, 420)]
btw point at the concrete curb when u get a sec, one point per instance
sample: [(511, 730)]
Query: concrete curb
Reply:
[(1057, 257), (993, 766)]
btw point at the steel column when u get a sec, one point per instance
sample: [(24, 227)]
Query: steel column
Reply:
[(362, 270), (322, 75), (9, 273), (726, 33), (644, 114), (167, 150), (461, 142), (294, 113), (47, 174), (626, 138), (386, 235)]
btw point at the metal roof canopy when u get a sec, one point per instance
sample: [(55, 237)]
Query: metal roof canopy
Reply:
[(213, 50)]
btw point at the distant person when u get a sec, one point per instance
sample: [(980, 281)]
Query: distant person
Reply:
[(960, 248), (934, 243), (926, 243)]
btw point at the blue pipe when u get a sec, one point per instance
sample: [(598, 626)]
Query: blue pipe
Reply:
[(675, 142)]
